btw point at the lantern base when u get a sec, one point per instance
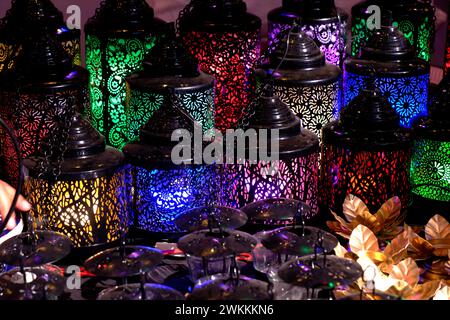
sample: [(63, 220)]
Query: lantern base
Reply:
[(79, 255), (421, 210), (146, 235)]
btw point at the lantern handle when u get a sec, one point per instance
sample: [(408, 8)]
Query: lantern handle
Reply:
[(21, 174)]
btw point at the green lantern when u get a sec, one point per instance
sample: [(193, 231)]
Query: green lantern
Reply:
[(430, 166), (118, 37), (414, 18)]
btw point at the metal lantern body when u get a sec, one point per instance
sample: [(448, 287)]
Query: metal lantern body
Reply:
[(225, 39), (310, 87), (21, 20), (430, 165), (414, 18), (118, 37), (367, 154), (297, 167), (320, 19), (170, 66), (37, 94), (87, 201), (389, 60), (161, 190)]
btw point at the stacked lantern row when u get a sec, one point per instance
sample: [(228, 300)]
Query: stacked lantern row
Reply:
[(92, 194)]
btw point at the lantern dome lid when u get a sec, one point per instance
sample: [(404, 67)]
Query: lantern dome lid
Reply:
[(368, 122), (387, 44), (155, 144), (270, 113), (297, 60), (297, 50), (25, 16), (123, 16), (44, 64), (170, 65), (436, 125), (389, 53), (218, 16), (86, 155)]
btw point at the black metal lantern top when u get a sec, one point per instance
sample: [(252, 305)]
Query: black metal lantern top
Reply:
[(298, 59), (320, 9), (273, 114), (44, 65), (388, 53), (436, 125), (86, 155), (155, 146), (123, 16), (218, 16), (170, 65), (368, 123), (24, 16)]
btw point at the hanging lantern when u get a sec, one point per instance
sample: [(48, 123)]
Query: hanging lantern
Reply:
[(87, 200), (296, 170), (22, 19), (170, 66), (302, 80), (321, 20), (404, 79), (163, 190), (414, 18), (366, 154), (38, 92), (430, 165), (118, 37), (225, 39)]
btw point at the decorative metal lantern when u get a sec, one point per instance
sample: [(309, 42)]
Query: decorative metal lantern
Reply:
[(296, 171), (430, 165), (37, 94), (321, 20), (225, 39), (21, 20), (302, 80), (389, 59), (170, 66), (86, 201), (414, 18), (161, 189), (366, 154), (118, 37)]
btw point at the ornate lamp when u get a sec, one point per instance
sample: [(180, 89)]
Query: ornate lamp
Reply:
[(118, 37), (38, 93), (297, 167), (389, 59), (321, 20), (430, 165), (366, 154), (225, 39), (86, 201), (161, 189), (170, 66), (414, 18), (23, 17), (302, 80)]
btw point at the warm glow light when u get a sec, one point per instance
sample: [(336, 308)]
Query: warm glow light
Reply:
[(87, 211)]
